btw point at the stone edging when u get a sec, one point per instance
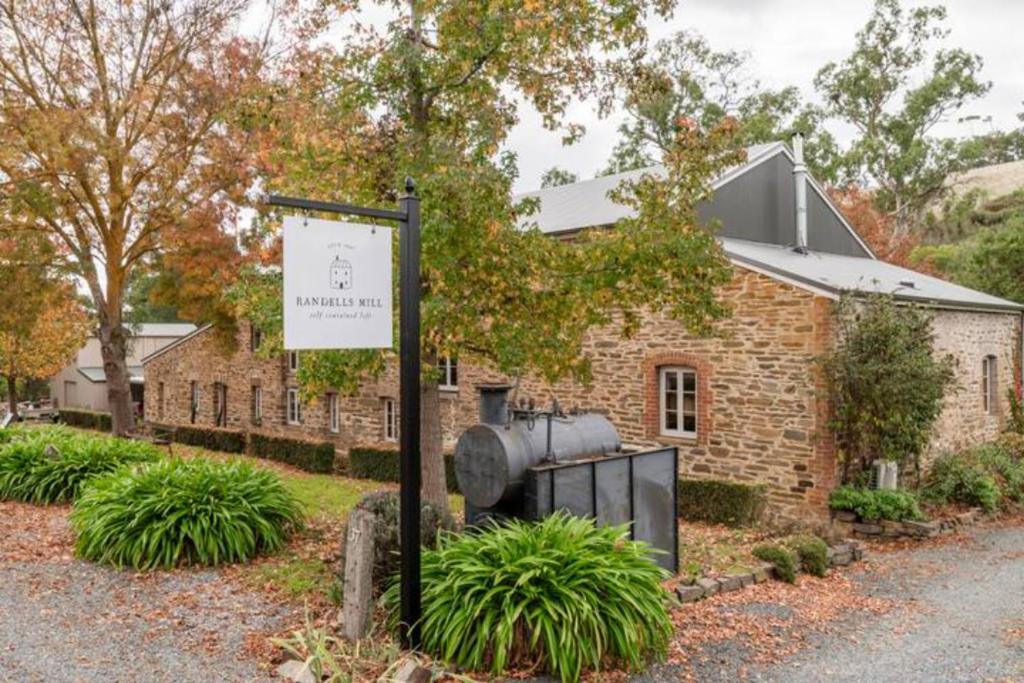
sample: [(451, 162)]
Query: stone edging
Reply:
[(839, 555), (848, 523)]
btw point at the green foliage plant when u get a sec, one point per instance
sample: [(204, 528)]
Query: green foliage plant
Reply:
[(961, 478), (812, 553), (311, 456), (183, 512), (560, 595), (884, 382), (720, 502), (382, 464), (871, 505), (54, 465), (784, 560)]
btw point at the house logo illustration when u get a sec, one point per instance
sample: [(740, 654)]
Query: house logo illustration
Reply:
[(341, 274)]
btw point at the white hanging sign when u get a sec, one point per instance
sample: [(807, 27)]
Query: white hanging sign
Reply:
[(337, 285)]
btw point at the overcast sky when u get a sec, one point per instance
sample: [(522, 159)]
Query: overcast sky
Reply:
[(788, 41)]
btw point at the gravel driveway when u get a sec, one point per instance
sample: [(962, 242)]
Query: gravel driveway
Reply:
[(957, 615), (63, 620)]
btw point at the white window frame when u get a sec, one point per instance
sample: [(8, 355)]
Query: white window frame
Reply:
[(293, 361), (293, 408), (679, 371), (257, 405), (989, 384), (333, 414), (449, 369), (390, 420)]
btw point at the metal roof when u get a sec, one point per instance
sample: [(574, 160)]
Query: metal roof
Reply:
[(177, 342), (835, 273), (161, 329), (96, 374), (586, 204)]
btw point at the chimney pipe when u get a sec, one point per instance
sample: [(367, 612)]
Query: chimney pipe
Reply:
[(800, 186), (494, 403)]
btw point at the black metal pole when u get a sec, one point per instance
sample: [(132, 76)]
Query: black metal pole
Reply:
[(409, 426)]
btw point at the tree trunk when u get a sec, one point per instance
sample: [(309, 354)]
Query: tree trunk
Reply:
[(12, 395), (435, 485), (113, 348)]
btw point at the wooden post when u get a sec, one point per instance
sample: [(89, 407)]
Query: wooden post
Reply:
[(357, 601)]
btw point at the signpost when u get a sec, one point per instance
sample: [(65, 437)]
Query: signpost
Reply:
[(340, 297)]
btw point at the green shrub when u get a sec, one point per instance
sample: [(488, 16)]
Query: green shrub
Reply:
[(175, 511), (311, 456), (382, 464), (960, 478), (30, 472), (784, 560), (214, 439), (874, 504), (384, 505), (86, 419), (560, 595), (812, 553), (1005, 466), (720, 502)]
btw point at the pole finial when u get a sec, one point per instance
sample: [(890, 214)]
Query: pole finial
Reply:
[(410, 186)]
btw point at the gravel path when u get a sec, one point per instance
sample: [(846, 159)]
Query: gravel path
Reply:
[(63, 620), (957, 615)]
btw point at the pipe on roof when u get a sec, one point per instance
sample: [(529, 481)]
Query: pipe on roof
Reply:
[(800, 187)]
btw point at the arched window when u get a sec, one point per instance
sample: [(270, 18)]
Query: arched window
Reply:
[(677, 401)]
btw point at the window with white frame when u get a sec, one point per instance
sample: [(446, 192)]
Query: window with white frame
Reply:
[(390, 420), (449, 373), (220, 404), (989, 383), (293, 361), (334, 417), (294, 408), (256, 405), (677, 391)]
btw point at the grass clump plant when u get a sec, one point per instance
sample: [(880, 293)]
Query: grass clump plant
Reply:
[(50, 466), (559, 595), (176, 511), (783, 559), (962, 478), (812, 553)]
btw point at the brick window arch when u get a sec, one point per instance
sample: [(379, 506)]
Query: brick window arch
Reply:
[(677, 381)]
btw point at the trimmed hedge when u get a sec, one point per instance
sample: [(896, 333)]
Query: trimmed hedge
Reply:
[(720, 502), (226, 440), (87, 419), (382, 464), (874, 504), (312, 456)]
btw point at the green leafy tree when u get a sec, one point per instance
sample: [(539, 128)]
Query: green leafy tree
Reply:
[(884, 382), (433, 96), (555, 176), (686, 82), (879, 91)]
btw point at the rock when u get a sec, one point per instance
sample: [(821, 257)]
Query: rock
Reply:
[(841, 559), (357, 601), (763, 572), (867, 529), (730, 583), (846, 516), (295, 671), (966, 517), (922, 529), (709, 586), (411, 672), (689, 593), (747, 580)]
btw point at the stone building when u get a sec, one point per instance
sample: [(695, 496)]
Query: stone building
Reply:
[(744, 404)]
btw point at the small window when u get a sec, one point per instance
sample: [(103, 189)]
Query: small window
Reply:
[(194, 407), (220, 404), (678, 401), (255, 338), (390, 420), (160, 400), (989, 384), (294, 416), (449, 370), (256, 405), (333, 417), (293, 361)]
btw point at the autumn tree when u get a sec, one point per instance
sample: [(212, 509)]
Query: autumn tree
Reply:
[(433, 95), (878, 90), (42, 324), (113, 117), (555, 176), (685, 82)]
